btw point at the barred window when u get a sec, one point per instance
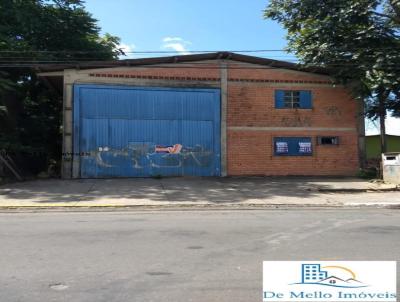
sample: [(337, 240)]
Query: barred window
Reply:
[(291, 99)]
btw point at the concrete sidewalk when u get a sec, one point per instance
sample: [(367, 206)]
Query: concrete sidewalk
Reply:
[(178, 192)]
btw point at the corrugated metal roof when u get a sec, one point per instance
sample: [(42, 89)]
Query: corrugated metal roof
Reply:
[(179, 59)]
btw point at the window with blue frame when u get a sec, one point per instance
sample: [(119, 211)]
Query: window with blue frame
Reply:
[(293, 99), (293, 146)]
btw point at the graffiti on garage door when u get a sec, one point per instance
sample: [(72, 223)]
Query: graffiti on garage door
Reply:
[(150, 154)]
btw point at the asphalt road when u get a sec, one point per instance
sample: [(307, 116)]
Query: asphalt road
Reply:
[(177, 256)]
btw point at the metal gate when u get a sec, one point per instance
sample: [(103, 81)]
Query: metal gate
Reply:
[(122, 131)]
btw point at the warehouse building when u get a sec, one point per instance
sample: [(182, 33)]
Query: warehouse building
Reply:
[(214, 114)]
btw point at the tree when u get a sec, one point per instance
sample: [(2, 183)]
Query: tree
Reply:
[(34, 31), (357, 40)]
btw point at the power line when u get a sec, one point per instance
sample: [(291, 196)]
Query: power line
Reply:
[(140, 52), (10, 60), (206, 67), (18, 62), (179, 52), (342, 62), (123, 58), (99, 60), (147, 66), (111, 62)]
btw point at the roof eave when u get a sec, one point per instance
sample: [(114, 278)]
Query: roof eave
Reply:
[(46, 68)]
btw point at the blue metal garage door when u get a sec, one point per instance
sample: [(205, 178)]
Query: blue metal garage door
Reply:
[(124, 131)]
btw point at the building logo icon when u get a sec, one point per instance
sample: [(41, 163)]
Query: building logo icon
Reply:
[(334, 276)]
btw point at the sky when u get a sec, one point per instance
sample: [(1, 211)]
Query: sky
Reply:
[(197, 25)]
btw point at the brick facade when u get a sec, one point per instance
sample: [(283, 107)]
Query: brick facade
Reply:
[(251, 153), (253, 122), (251, 119)]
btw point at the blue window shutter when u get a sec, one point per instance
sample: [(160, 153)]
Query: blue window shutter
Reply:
[(279, 99), (305, 100)]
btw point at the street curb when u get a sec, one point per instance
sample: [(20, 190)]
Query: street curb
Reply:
[(197, 207), (369, 190)]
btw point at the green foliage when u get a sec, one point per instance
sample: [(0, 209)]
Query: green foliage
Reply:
[(41, 31), (358, 40), (52, 30), (368, 173), (5, 83)]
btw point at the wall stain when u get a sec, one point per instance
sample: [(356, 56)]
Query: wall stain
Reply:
[(333, 111), (296, 121)]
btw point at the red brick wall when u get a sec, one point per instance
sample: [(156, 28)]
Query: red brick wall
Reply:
[(201, 70), (254, 105), (251, 152), (251, 104)]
